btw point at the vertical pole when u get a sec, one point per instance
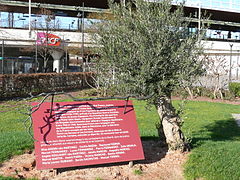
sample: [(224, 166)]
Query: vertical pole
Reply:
[(2, 56), (64, 49), (36, 55), (12, 66), (230, 65), (65, 62), (17, 71), (78, 23), (12, 20), (36, 47), (199, 20), (29, 13), (35, 24), (237, 64), (9, 20), (83, 32)]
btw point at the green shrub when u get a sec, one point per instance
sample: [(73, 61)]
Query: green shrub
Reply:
[(180, 92), (234, 88)]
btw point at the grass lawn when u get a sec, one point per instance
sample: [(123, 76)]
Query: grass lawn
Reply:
[(13, 137), (215, 140), (214, 137)]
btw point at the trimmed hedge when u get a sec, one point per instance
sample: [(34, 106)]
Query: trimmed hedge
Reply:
[(21, 85), (234, 88)]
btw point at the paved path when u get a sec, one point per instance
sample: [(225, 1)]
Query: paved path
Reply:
[(237, 118)]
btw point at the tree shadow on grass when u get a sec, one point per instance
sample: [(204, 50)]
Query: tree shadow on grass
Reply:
[(220, 130)]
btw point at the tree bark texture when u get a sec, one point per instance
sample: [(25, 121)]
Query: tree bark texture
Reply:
[(170, 124)]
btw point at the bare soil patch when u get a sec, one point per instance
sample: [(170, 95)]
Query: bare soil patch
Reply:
[(159, 164)]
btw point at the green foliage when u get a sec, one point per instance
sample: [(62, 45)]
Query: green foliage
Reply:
[(234, 88), (147, 48), (202, 91), (137, 172), (215, 141)]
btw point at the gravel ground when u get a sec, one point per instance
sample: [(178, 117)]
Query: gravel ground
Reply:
[(159, 164)]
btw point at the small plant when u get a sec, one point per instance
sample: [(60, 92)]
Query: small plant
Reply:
[(98, 178), (90, 92), (7, 178), (137, 172)]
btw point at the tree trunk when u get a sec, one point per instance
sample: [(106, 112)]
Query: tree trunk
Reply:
[(45, 62), (170, 124), (221, 94), (215, 93), (189, 92)]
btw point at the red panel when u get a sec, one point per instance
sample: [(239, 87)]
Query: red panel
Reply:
[(85, 133)]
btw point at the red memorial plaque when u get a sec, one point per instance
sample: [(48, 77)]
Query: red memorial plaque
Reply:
[(85, 133)]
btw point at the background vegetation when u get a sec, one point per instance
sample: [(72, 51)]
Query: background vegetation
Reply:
[(234, 88)]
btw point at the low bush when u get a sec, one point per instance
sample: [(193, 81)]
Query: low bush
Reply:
[(234, 88), (203, 92)]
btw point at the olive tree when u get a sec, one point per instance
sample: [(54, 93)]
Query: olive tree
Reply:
[(148, 47)]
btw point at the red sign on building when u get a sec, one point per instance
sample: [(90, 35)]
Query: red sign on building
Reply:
[(48, 39), (85, 133)]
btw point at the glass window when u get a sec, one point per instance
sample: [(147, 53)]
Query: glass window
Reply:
[(231, 5)]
